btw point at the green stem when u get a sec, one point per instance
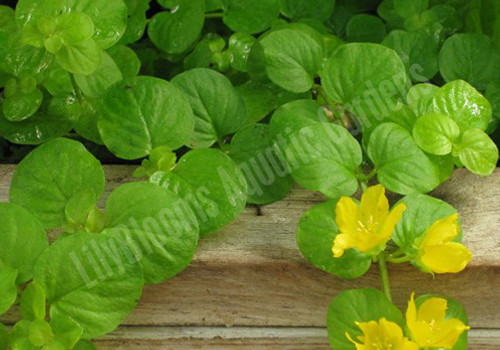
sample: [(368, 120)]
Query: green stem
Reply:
[(384, 276), (214, 15), (400, 260), (78, 93)]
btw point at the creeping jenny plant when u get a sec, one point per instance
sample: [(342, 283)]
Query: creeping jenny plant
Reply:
[(225, 103)]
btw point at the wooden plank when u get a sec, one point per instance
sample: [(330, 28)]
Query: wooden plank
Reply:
[(252, 274), (241, 338)]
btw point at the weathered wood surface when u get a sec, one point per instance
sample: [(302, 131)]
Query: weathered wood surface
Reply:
[(252, 275)]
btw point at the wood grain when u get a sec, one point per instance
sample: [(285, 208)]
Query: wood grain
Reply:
[(251, 274)]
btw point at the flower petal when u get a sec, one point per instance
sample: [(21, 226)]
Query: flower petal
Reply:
[(392, 220), (411, 311), (374, 205), (341, 243), (449, 333), (450, 257), (432, 310), (442, 231), (347, 215)]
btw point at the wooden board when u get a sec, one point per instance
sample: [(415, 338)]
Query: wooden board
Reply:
[(252, 277)]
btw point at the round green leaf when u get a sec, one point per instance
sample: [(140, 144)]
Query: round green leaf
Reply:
[(21, 106), (142, 113), (420, 96), (240, 46), (4, 337), (263, 165), (324, 157), (26, 60), (176, 30), (33, 302), (251, 16), (402, 167), (126, 59), (454, 310), (49, 176), (259, 100), (40, 333), (292, 57), (477, 152), (83, 58), (435, 133), (92, 278), (471, 57), (218, 107), (315, 235), (23, 240), (84, 345), (293, 116), (418, 51), (422, 211), (136, 23), (299, 9), (8, 288), (366, 28), (160, 228), (365, 75), (357, 305), (408, 8), (218, 185), (464, 104), (96, 84), (86, 125)]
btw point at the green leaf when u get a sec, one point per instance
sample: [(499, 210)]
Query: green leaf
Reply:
[(7, 20), (96, 83), (40, 333), (418, 51), (263, 165), (136, 23), (477, 152), (19, 336), (402, 167), (218, 107), (26, 60), (420, 97), (464, 104), (22, 106), (293, 116), (160, 228), (84, 345), (218, 186), (49, 176), (67, 332), (454, 310), (240, 46), (367, 78), (23, 240), (449, 18), (142, 113), (357, 305), (435, 133), (79, 206), (8, 287), (176, 30), (259, 100), (408, 8), (4, 337), (366, 28), (471, 57), (83, 58), (251, 16), (315, 235), (40, 128), (86, 125), (293, 56), (422, 211), (299, 9), (33, 302), (493, 95), (92, 278), (324, 157), (74, 27), (126, 59)]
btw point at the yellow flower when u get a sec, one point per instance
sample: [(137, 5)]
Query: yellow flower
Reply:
[(368, 226), (428, 326), (382, 335), (437, 252)]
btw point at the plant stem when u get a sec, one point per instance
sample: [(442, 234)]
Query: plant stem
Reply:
[(78, 93), (400, 260), (214, 15), (384, 276)]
